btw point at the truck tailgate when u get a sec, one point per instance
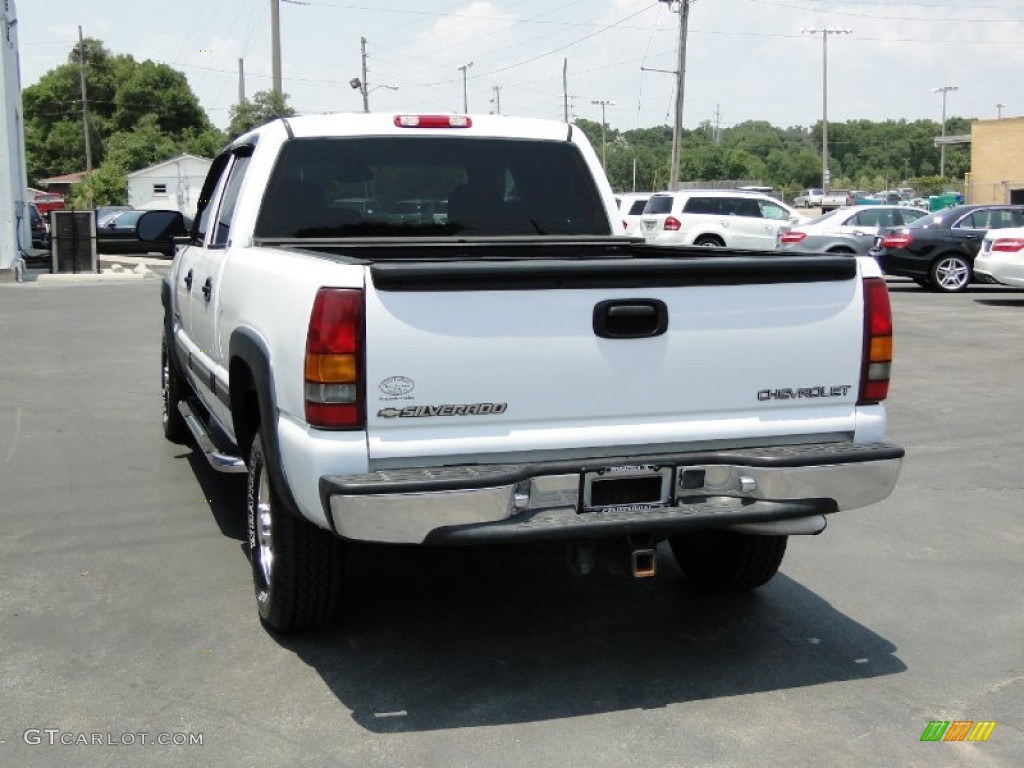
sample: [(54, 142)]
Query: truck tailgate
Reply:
[(511, 359)]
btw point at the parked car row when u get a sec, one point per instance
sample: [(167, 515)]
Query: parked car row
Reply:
[(846, 230), (838, 198), (938, 251), (943, 250)]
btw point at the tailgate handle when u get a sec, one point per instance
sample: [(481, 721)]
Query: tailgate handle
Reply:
[(630, 318)]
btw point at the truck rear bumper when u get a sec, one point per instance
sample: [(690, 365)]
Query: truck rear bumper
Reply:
[(657, 494)]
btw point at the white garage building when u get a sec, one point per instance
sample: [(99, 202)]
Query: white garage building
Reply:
[(173, 184)]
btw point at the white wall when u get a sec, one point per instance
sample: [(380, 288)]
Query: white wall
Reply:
[(182, 178)]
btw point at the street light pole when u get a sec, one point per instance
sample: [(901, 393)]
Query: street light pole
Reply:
[(603, 103), (943, 89), (465, 93), (826, 177)]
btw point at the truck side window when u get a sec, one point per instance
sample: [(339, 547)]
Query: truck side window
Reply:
[(222, 229), (205, 208)]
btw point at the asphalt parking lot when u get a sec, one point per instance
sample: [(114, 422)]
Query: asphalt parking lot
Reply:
[(126, 611)]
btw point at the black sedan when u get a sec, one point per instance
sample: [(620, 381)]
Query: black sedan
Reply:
[(938, 251), (115, 234)]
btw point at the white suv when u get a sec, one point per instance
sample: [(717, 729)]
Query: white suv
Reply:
[(723, 218), (631, 205)]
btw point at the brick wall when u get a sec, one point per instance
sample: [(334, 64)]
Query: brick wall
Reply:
[(997, 159)]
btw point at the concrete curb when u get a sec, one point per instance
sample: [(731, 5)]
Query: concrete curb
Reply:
[(112, 269)]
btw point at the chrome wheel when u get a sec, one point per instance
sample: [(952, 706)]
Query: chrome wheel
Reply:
[(263, 524), (951, 273), (172, 393)]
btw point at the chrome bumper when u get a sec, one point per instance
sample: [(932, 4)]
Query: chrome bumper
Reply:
[(552, 500)]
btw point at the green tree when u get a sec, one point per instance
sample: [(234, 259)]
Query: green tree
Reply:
[(155, 89), (108, 185), (264, 107), (124, 97)]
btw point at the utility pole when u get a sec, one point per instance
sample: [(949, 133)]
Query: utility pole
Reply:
[(496, 101), (682, 7), (363, 88), (943, 89), (717, 133), (241, 82), (275, 45), (465, 93), (565, 88), (361, 85), (999, 110), (85, 105), (603, 103)]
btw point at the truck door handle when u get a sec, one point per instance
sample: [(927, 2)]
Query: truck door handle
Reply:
[(208, 288), (630, 318), (188, 281)]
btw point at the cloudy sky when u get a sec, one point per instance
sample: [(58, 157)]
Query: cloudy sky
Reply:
[(746, 59)]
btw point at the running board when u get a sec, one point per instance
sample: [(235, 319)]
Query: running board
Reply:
[(220, 461)]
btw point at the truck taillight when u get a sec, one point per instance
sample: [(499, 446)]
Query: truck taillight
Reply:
[(672, 224), (433, 121), (877, 363), (335, 366), (792, 237)]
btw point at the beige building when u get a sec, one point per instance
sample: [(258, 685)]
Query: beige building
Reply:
[(997, 161)]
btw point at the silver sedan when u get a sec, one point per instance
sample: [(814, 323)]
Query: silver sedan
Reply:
[(845, 230)]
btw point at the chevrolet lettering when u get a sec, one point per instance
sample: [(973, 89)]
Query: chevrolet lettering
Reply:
[(792, 394)]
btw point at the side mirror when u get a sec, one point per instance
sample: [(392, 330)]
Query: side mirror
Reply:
[(160, 226)]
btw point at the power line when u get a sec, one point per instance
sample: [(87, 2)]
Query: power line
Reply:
[(831, 12)]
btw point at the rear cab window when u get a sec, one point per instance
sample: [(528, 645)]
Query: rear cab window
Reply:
[(336, 187)]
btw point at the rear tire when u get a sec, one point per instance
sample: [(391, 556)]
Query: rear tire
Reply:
[(950, 273), (727, 561), (297, 568), (709, 241), (173, 389)]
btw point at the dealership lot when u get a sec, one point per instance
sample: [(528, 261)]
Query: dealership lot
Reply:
[(126, 604)]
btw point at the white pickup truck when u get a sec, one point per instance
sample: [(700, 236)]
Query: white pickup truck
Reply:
[(425, 329)]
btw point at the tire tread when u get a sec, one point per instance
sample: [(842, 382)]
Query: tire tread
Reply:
[(308, 574), (736, 562)]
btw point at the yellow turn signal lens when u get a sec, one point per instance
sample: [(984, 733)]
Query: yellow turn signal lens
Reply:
[(331, 369), (881, 348)]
